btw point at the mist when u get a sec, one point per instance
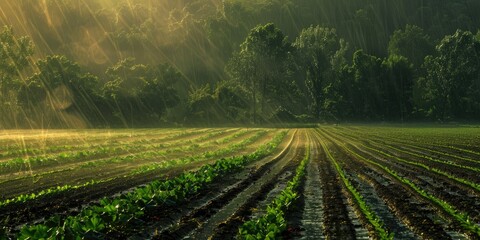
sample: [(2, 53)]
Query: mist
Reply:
[(107, 63)]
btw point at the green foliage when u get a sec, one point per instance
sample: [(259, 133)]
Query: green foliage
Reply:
[(204, 38), (381, 232), (224, 102), (59, 85), (399, 87), (369, 79), (412, 43), (462, 218), (140, 93), (15, 53), (451, 87), (320, 55), (114, 214), (273, 223), (264, 65)]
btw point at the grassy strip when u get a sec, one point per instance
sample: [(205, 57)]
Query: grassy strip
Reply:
[(273, 223), (435, 160), (112, 141), (21, 164), (22, 150), (206, 155), (115, 215), (462, 218), (395, 140), (50, 191), (365, 209), (438, 171), (421, 165), (165, 164), (127, 158), (461, 149)]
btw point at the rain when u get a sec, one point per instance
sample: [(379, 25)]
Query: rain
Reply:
[(246, 119)]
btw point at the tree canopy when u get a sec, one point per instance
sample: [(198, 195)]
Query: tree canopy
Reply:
[(147, 63)]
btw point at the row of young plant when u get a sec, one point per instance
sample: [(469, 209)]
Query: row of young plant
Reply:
[(185, 146), (466, 223), (273, 223), (24, 198), (462, 150), (385, 139), (116, 159), (428, 168), (22, 164), (205, 155), (446, 142), (117, 215), (67, 145), (380, 231), (421, 165), (16, 147), (446, 162)]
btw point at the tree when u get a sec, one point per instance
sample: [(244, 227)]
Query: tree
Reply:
[(140, 93), (412, 43), (399, 88), (370, 85), (14, 58), (222, 103), (157, 92), (231, 101), (201, 105), (61, 85), (320, 55), (264, 65), (452, 82)]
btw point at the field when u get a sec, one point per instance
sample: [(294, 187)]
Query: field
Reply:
[(329, 182)]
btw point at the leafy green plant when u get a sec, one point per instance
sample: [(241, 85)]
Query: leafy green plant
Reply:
[(462, 218), (365, 209), (273, 223), (147, 168), (114, 214)]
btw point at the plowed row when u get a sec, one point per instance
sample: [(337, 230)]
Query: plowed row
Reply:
[(360, 182)]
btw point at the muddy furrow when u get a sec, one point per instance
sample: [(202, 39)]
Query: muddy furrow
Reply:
[(310, 217), (455, 165), (420, 215), (255, 206), (68, 202), (226, 216), (337, 222), (458, 195), (358, 175), (78, 173), (180, 222), (433, 150), (412, 211)]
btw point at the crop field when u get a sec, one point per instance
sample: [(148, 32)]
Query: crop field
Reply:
[(329, 182)]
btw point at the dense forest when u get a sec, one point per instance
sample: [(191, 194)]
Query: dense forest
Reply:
[(132, 63)]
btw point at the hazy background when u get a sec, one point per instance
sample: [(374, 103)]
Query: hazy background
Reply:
[(196, 39)]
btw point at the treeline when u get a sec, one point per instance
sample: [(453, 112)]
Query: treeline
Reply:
[(146, 63), (313, 75)]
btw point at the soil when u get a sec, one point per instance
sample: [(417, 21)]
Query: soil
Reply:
[(68, 202), (325, 208)]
